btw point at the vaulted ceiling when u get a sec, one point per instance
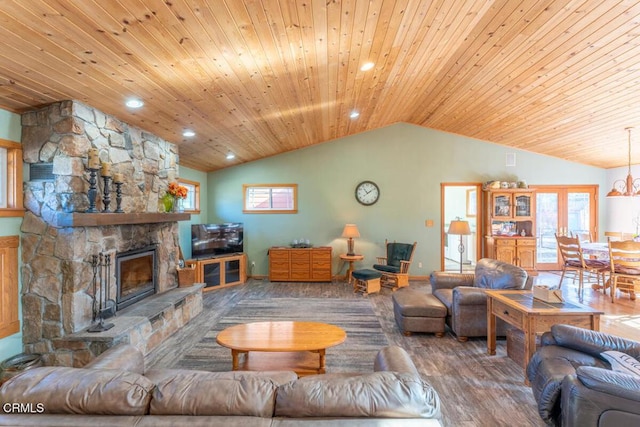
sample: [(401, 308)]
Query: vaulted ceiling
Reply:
[(260, 77)]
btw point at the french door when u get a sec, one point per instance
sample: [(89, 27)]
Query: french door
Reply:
[(563, 210)]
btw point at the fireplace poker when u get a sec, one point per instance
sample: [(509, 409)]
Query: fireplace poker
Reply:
[(101, 326), (94, 306), (110, 305), (100, 264)]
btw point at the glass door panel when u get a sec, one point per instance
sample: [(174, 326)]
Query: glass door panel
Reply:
[(547, 217), (579, 210), (523, 206), (502, 206), (565, 211)]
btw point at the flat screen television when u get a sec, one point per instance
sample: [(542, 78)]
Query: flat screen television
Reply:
[(210, 240)]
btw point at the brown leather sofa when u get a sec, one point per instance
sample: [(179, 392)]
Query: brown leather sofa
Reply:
[(575, 386), (464, 297), (115, 390)]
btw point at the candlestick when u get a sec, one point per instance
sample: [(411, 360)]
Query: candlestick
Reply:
[(94, 159), (118, 196), (93, 190), (106, 199), (106, 169), (118, 178)]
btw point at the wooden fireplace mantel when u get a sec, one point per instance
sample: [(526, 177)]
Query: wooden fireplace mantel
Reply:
[(79, 219)]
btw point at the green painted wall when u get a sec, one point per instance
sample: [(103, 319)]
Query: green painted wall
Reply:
[(11, 129), (408, 163), (185, 226)]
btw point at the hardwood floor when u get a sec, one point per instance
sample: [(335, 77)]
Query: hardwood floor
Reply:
[(621, 318), (475, 389)]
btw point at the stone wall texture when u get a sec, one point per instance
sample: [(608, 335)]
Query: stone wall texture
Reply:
[(57, 275)]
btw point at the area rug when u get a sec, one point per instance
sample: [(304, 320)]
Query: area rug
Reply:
[(364, 333)]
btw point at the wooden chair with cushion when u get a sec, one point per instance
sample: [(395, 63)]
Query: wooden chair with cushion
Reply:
[(395, 265), (624, 259), (573, 260), (617, 236), (583, 236)]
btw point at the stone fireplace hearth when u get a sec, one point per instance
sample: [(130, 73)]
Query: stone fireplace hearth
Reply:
[(58, 238)]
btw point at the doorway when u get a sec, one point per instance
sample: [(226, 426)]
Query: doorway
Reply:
[(563, 210), (460, 201)]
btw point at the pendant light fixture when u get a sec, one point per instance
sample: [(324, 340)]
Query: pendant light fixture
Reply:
[(630, 187)]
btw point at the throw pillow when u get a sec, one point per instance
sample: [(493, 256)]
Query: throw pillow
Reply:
[(622, 362)]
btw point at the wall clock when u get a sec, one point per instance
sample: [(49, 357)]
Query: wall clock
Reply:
[(367, 193)]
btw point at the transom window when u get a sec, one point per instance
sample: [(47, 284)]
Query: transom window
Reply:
[(270, 198)]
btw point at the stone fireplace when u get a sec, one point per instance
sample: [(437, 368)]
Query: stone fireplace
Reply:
[(58, 238), (135, 275)]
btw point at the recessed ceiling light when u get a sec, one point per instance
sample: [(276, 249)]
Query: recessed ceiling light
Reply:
[(367, 66), (188, 132), (134, 103), (354, 114), (230, 156)]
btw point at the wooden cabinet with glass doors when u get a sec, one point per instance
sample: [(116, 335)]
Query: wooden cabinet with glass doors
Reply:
[(509, 227)]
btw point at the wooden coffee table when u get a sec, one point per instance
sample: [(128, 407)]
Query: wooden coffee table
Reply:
[(283, 345), (533, 316)]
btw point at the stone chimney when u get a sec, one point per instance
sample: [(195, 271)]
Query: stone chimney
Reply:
[(56, 259)]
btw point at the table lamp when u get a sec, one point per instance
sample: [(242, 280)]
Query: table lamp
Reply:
[(350, 231), (461, 228)]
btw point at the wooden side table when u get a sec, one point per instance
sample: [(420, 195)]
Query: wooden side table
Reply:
[(350, 259)]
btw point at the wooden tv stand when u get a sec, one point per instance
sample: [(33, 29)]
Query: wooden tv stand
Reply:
[(221, 271)]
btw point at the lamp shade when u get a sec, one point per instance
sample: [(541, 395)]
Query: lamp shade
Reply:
[(458, 227), (350, 230)]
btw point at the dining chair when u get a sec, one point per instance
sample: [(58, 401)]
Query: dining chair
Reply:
[(583, 236), (573, 260), (624, 259), (617, 236)]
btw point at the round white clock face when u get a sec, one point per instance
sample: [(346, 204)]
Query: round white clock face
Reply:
[(367, 193)]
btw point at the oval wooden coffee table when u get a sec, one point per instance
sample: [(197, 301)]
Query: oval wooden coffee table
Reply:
[(288, 345)]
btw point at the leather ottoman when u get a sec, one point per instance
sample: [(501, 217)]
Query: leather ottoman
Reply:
[(417, 311)]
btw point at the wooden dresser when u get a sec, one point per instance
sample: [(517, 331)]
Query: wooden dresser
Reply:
[(300, 264)]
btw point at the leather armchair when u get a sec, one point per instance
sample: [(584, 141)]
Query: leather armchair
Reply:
[(464, 297), (574, 386)]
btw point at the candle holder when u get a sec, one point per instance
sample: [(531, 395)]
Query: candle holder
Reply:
[(93, 190), (106, 199), (118, 197)]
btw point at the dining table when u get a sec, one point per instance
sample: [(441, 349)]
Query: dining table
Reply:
[(596, 250), (600, 251)]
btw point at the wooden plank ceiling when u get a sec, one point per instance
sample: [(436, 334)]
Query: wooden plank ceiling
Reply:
[(262, 77)]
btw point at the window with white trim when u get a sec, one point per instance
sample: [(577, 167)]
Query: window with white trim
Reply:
[(270, 198), (192, 202)]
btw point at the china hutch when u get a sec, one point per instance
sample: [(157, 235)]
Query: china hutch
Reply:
[(510, 226)]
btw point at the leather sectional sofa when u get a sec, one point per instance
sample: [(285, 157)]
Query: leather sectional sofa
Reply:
[(115, 390), (574, 384)]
